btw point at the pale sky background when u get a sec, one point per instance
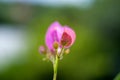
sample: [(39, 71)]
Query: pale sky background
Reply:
[(12, 45), (79, 3)]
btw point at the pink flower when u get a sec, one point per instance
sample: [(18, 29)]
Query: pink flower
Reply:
[(64, 36)]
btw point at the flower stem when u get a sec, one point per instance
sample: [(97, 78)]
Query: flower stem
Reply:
[(55, 62), (55, 66)]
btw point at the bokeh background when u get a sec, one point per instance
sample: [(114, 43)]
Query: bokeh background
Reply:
[(94, 56)]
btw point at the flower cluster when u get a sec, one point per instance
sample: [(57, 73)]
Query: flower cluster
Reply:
[(58, 40)]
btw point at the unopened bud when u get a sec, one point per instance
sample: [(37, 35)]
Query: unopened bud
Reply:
[(67, 51), (42, 50), (55, 45)]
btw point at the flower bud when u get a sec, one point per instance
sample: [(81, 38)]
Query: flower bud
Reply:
[(42, 50), (67, 51)]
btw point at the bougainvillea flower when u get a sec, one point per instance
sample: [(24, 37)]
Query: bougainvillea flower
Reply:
[(64, 35)]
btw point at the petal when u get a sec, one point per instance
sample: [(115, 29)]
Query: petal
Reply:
[(71, 33), (66, 40), (53, 34)]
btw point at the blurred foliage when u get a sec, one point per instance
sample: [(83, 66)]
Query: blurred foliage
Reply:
[(117, 77), (95, 54)]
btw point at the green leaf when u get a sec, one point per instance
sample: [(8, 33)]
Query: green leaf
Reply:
[(117, 77)]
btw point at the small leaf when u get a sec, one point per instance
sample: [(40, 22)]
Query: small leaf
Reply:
[(117, 77)]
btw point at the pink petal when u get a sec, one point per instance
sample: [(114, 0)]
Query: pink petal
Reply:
[(66, 40), (54, 33), (70, 35)]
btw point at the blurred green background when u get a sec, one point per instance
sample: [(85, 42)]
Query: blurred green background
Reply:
[(94, 56)]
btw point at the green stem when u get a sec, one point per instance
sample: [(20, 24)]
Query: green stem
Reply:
[(55, 66), (55, 63)]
